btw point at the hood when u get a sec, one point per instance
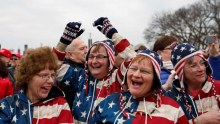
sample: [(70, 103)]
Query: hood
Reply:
[(180, 54)]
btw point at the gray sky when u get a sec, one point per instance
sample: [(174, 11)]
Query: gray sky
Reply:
[(41, 22)]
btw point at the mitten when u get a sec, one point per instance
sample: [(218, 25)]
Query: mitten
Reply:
[(104, 25), (72, 31)]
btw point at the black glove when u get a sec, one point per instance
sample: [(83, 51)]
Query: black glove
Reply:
[(104, 25), (72, 31)]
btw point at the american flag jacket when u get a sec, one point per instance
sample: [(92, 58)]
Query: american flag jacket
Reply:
[(17, 109), (123, 108), (89, 91), (202, 103)]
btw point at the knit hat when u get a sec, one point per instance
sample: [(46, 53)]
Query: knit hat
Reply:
[(5, 52), (109, 45), (180, 54)]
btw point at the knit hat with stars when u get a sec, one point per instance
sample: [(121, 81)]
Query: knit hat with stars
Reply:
[(180, 54)]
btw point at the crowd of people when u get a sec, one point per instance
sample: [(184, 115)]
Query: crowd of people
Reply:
[(110, 82)]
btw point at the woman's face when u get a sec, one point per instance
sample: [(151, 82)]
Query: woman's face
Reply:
[(40, 85), (140, 78), (195, 72), (98, 62)]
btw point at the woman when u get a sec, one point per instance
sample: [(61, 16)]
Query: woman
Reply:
[(5, 84), (197, 92), (98, 79), (39, 101), (163, 47), (143, 102)]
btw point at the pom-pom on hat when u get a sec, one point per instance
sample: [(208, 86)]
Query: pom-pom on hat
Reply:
[(6, 53)]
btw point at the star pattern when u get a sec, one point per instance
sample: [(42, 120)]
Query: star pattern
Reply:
[(178, 98), (24, 111), (78, 95), (80, 77), (111, 104), (78, 103), (87, 98), (2, 105), (67, 83), (83, 114), (14, 119), (91, 83), (75, 69), (121, 120), (100, 109), (11, 108)]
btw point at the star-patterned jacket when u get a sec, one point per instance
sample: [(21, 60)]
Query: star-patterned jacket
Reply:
[(134, 111), (89, 91), (202, 103), (17, 109)]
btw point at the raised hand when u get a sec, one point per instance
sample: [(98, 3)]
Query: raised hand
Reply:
[(104, 26), (71, 31)]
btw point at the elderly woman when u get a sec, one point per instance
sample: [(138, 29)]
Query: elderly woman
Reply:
[(197, 92), (39, 101), (143, 102), (91, 85)]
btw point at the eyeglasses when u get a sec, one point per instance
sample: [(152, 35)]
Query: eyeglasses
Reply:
[(98, 57), (47, 76)]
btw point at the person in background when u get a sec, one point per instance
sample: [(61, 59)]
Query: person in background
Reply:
[(38, 101), (92, 84), (75, 57), (5, 56), (14, 61), (196, 91), (214, 57), (143, 103), (163, 46), (5, 84)]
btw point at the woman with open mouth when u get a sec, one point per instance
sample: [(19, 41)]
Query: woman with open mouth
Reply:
[(38, 101), (143, 102)]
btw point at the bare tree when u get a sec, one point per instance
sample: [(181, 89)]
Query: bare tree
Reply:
[(190, 24)]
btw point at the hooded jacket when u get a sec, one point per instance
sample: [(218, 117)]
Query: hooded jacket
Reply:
[(17, 109), (89, 91), (207, 97), (125, 108)]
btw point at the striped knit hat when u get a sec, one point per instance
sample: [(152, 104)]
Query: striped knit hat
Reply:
[(109, 46), (180, 54)]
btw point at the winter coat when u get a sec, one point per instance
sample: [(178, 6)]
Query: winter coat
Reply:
[(128, 110), (18, 109), (202, 103), (89, 91)]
